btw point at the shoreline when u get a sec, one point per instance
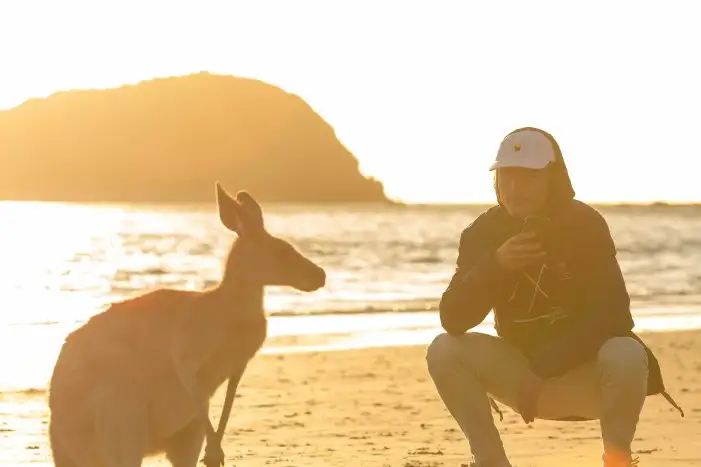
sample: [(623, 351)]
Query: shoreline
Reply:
[(31, 370)]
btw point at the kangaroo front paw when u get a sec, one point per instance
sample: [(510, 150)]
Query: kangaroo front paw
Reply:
[(213, 456)]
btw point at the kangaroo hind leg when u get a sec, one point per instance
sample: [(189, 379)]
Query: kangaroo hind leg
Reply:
[(121, 425), (71, 436), (183, 449), (60, 456)]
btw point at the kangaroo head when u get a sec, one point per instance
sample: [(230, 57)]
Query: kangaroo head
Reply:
[(259, 257)]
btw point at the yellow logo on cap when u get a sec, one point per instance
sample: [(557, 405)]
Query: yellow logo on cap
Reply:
[(517, 147)]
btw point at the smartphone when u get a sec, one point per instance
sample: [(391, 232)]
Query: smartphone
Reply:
[(538, 225)]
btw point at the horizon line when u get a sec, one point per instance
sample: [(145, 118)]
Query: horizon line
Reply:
[(389, 202)]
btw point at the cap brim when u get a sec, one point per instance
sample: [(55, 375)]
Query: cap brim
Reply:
[(521, 163)]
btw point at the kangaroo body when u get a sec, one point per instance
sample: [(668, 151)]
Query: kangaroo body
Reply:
[(136, 379)]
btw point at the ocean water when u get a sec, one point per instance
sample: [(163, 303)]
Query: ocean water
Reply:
[(386, 265)]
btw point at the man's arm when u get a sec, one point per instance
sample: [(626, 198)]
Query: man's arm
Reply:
[(475, 286), (604, 306)]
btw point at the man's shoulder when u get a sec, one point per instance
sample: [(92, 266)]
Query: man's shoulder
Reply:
[(581, 213), (588, 225)]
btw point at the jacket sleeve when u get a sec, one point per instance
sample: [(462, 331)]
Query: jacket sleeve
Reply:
[(475, 286), (603, 306)]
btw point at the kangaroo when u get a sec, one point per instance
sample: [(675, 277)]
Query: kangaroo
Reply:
[(136, 379)]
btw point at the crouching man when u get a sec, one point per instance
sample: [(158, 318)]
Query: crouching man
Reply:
[(546, 264)]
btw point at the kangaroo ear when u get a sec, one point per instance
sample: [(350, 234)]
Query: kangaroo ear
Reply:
[(230, 211), (252, 211)]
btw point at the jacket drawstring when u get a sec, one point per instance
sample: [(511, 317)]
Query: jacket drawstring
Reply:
[(674, 404), (496, 409)]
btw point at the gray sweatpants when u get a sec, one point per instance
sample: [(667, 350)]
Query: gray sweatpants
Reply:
[(466, 369)]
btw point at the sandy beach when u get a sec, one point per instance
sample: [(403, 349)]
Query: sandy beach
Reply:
[(378, 407)]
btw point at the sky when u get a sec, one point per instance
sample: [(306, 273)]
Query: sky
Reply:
[(421, 92)]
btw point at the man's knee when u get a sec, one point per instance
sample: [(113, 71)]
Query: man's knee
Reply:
[(440, 352), (623, 357), (448, 351)]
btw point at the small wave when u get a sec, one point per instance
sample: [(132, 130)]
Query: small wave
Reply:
[(426, 260), (125, 274), (36, 323), (412, 307), (27, 392), (639, 306)]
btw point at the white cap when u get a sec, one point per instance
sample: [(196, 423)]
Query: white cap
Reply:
[(529, 149)]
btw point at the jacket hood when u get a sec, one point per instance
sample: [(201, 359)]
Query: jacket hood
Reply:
[(561, 189)]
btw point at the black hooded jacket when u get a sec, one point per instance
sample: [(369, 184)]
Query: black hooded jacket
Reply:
[(558, 313)]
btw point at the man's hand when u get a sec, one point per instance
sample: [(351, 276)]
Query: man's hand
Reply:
[(527, 398), (519, 251)]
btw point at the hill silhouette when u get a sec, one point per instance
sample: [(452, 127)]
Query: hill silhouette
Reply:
[(169, 139)]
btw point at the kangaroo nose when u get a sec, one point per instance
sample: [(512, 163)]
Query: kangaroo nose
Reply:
[(313, 279), (321, 277)]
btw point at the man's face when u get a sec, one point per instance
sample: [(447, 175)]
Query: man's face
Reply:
[(523, 192)]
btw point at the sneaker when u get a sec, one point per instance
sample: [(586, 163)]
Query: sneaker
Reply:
[(475, 464), (617, 461)]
